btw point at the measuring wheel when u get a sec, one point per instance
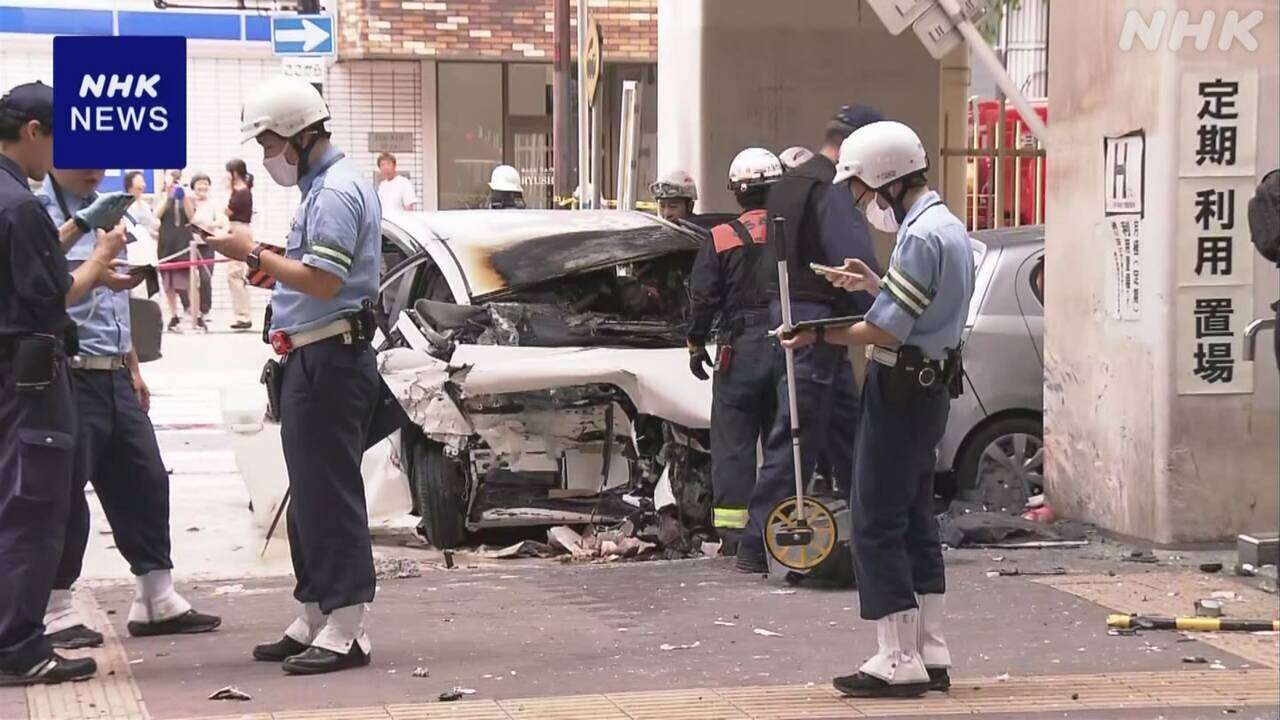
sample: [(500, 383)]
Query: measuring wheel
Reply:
[(800, 544)]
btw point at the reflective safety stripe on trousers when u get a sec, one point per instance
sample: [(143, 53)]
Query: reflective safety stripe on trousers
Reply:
[(730, 518)]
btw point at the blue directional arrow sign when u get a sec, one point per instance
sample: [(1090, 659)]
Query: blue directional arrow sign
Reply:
[(302, 34)]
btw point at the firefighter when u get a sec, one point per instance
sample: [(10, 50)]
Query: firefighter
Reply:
[(725, 285), (822, 227), (675, 193), (505, 189), (912, 335), (37, 412), (326, 383), (116, 448)]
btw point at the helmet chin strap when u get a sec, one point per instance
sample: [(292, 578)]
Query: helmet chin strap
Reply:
[(304, 153), (895, 201)]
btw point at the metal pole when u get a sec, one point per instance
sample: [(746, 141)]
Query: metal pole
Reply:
[(988, 58), (584, 138), (975, 163), (597, 153), (1017, 175), (561, 85), (997, 162), (784, 294)]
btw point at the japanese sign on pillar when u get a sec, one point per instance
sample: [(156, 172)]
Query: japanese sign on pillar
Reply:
[(1217, 148), (1123, 187)]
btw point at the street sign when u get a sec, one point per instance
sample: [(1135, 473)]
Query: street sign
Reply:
[(392, 142), (311, 69), (595, 43), (302, 35), (897, 15), (938, 34)]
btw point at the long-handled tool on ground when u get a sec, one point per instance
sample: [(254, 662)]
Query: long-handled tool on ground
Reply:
[(1201, 624), (801, 532)]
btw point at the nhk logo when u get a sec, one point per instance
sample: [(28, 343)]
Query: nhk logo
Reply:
[(120, 102), (1156, 30)]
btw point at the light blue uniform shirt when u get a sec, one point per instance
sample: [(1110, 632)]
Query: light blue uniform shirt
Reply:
[(101, 316), (924, 297), (338, 229)]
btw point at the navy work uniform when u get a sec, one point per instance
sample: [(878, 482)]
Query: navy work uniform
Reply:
[(329, 395), (117, 452), (923, 302), (725, 284), (37, 417), (823, 228)]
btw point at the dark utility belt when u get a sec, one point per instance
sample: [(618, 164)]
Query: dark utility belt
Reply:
[(911, 372)]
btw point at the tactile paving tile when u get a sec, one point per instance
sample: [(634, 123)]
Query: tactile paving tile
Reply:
[(683, 704), (462, 710), (362, 713), (788, 702), (581, 707)]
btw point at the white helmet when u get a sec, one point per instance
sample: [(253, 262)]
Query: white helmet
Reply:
[(505, 179), (879, 153), (675, 184), (794, 157), (754, 167), (283, 105)]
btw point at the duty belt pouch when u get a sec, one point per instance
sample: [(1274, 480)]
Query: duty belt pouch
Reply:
[(273, 379), (724, 358), (904, 377), (35, 362), (955, 374)]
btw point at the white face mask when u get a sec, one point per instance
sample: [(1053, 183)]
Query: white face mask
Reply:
[(281, 170), (880, 218)]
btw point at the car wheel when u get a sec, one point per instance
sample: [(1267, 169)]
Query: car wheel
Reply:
[(1003, 465), (439, 483)]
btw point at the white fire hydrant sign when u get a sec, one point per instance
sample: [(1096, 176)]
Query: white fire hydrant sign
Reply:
[(1124, 167), (1217, 152)]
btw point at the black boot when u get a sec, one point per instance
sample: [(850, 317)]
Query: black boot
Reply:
[(188, 623), (75, 637), (278, 651), (317, 660), (939, 679), (54, 669), (863, 685)]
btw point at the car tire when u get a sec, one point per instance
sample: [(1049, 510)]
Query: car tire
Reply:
[(1003, 463), (439, 484)]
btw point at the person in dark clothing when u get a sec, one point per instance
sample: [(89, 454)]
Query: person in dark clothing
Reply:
[(725, 286), (1264, 228), (173, 215), (37, 413), (822, 226)]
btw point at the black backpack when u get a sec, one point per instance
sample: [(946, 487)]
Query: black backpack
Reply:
[(1264, 217)]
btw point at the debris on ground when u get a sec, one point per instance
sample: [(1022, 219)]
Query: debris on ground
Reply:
[(968, 525), (1208, 607), (448, 559), (725, 623), (1002, 677), (766, 633), (421, 672), (1195, 660), (1224, 595), (398, 568), (231, 692), (523, 549), (1123, 632), (600, 545), (1211, 567), (1017, 572), (455, 693), (667, 647), (1141, 556)]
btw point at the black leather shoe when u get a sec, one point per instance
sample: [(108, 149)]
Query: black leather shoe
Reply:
[(75, 637), (278, 651), (939, 679), (51, 670), (863, 685), (317, 660), (188, 623)]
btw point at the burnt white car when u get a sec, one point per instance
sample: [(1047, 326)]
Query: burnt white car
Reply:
[(541, 355)]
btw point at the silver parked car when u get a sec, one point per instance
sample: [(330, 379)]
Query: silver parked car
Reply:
[(993, 449)]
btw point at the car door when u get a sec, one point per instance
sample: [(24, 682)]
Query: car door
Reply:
[(1031, 301)]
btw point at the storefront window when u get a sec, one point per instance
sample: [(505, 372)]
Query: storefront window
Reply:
[(470, 131), (529, 130)]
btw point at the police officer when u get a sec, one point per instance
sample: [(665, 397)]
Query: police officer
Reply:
[(37, 425), (675, 193), (725, 284), (822, 227), (795, 156), (506, 192), (116, 446), (329, 388), (912, 335)]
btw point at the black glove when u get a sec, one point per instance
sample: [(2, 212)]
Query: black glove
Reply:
[(698, 357)]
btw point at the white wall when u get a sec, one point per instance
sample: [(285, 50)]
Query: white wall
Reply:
[(1123, 448)]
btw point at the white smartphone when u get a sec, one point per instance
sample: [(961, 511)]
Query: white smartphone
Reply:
[(825, 269)]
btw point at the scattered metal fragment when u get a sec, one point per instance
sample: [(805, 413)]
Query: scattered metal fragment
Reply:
[(1217, 666), (1015, 572), (1123, 632), (1208, 607), (725, 623), (448, 559), (1195, 660), (766, 633), (1211, 567), (421, 671), (399, 568), (1002, 677), (231, 692), (669, 647), (1142, 556)]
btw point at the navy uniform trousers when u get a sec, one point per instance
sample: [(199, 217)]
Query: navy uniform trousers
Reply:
[(742, 409), (37, 436), (896, 550), (328, 400), (828, 406), (117, 452)]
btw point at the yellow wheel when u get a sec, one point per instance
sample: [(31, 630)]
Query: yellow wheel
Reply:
[(817, 518)]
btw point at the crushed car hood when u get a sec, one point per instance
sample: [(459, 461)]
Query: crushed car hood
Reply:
[(503, 250), (657, 382)]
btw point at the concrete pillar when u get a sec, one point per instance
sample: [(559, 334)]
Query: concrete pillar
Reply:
[(1135, 440), (737, 73)]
